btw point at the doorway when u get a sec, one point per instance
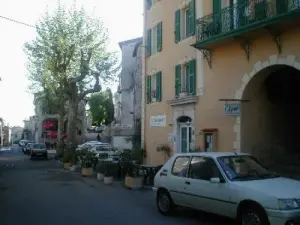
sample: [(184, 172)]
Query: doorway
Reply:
[(185, 134)]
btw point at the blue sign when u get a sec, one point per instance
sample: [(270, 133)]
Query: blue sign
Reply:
[(232, 109)]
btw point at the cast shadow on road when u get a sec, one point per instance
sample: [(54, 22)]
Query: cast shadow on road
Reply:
[(202, 218)]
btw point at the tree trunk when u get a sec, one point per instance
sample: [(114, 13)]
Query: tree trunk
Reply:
[(72, 117), (61, 114)]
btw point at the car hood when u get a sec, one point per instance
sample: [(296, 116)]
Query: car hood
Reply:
[(279, 187)]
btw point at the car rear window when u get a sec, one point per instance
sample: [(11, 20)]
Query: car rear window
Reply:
[(180, 166), (39, 146)]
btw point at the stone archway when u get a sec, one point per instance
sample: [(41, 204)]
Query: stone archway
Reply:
[(289, 60)]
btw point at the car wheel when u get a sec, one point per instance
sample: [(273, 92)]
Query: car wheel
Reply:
[(164, 202), (253, 215)]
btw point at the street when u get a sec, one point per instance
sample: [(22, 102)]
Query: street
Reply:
[(39, 192)]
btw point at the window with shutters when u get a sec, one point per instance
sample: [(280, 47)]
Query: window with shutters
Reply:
[(185, 79), (154, 39), (150, 3), (185, 20), (154, 88)]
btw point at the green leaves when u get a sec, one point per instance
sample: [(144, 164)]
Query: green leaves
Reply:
[(101, 107)]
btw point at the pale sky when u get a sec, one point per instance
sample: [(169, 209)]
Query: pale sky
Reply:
[(122, 18)]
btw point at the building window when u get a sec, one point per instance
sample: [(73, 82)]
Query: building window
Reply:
[(150, 3), (154, 88), (154, 39), (185, 79), (185, 22)]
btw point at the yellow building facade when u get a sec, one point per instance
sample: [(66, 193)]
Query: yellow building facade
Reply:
[(221, 75)]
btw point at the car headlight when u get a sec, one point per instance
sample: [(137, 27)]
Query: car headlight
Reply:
[(288, 204)]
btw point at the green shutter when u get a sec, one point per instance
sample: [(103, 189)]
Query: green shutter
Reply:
[(177, 26), (192, 18), (217, 15), (158, 86), (149, 4), (177, 80), (149, 42), (242, 17), (192, 77), (159, 37), (148, 92), (282, 6)]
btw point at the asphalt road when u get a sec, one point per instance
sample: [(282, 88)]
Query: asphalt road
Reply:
[(39, 192)]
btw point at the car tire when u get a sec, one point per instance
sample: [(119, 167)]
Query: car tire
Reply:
[(164, 202), (252, 214)]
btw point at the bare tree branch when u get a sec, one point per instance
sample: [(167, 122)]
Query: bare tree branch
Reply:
[(96, 88)]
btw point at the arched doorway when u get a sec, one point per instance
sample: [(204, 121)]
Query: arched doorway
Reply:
[(185, 134), (270, 121)]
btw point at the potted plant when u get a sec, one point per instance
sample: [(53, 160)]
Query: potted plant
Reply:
[(87, 161), (110, 171), (67, 160), (165, 148), (133, 180), (100, 169)]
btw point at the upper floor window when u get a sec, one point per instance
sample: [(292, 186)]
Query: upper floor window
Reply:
[(154, 39), (185, 24), (154, 88), (151, 2), (185, 79)]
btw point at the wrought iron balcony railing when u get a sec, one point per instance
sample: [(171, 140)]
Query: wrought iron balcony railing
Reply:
[(241, 18)]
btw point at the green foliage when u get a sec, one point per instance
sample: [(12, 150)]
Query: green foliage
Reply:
[(86, 158), (111, 169), (100, 168), (101, 107)]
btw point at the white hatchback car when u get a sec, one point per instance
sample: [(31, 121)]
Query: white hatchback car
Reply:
[(230, 184)]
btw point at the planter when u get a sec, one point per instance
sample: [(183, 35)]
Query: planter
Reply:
[(87, 172), (100, 176), (108, 180), (134, 182), (67, 165), (72, 168)]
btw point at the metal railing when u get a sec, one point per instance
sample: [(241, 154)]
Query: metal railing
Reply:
[(238, 16)]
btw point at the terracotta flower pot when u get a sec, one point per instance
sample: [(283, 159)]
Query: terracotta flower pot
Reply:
[(100, 176), (87, 172), (108, 180), (133, 182), (67, 165)]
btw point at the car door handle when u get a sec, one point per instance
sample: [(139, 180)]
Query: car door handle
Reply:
[(187, 182)]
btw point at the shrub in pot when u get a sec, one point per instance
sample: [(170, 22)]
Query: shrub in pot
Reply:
[(100, 169), (87, 161), (110, 171)]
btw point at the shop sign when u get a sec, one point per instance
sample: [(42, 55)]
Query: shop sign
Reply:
[(158, 121), (232, 109)]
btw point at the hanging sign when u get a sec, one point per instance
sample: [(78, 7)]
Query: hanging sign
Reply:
[(232, 109)]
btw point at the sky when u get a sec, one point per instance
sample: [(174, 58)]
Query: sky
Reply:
[(123, 19)]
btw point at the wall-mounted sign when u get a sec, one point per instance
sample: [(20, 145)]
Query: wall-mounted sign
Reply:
[(158, 121), (232, 109), (171, 137)]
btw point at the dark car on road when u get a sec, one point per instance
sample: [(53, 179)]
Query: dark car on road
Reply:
[(39, 151), (28, 147)]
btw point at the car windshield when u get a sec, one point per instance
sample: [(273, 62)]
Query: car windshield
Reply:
[(39, 146), (243, 167)]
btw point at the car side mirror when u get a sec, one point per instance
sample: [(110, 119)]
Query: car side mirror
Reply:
[(215, 180)]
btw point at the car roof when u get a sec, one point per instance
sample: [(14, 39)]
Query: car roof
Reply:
[(212, 154)]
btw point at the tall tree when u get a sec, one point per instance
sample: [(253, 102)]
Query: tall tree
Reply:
[(71, 48), (97, 107)]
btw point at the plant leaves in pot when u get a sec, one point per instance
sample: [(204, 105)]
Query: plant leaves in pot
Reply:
[(100, 169), (110, 171)]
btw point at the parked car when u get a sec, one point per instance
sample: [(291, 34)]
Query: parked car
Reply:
[(106, 148), (28, 147), (234, 185), (22, 143), (39, 150), (88, 145)]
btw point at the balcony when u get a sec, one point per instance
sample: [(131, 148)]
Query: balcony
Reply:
[(244, 22)]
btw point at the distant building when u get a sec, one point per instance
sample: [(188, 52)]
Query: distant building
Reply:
[(16, 134)]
